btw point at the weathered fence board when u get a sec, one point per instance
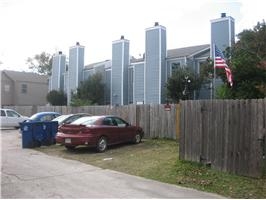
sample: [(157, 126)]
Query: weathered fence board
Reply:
[(227, 134), (154, 119)]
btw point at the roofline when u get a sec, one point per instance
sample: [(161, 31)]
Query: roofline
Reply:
[(120, 41), (156, 27), (138, 62), (222, 19), (4, 71), (199, 51)]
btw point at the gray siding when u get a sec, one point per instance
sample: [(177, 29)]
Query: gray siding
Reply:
[(7, 90), (35, 93)]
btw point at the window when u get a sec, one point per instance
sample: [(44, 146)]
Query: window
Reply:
[(47, 118), (120, 122), (175, 66), (24, 88), (108, 122), (11, 113), (3, 113)]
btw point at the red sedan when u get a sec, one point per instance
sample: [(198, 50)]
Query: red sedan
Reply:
[(99, 132)]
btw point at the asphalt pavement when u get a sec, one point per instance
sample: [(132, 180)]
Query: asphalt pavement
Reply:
[(30, 174)]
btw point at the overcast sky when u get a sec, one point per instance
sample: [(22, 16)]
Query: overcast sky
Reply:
[(29, 27)]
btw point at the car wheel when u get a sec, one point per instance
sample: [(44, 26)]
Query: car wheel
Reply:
[(101, 144), (70, 148), (137, 138)]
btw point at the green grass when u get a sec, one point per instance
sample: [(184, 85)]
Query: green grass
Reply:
[(157, 159)]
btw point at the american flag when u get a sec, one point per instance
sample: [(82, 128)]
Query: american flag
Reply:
[(221, 63)]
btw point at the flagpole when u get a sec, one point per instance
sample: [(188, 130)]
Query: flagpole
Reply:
[(214, 71)]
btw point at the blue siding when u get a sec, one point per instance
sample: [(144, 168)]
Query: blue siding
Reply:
[(155, 67), (223, 33), (163, 66), (119, 74), (58, 69), (76, 65), (66, 79), (138, 83), (116, 74), (130, 85), (107, 87), (126, 66), (152, 69)]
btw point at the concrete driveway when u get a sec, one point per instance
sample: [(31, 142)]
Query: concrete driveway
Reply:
[(26, 173)]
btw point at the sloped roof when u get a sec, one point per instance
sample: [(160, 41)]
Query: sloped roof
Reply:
[(25, 76), (91, 66), (135, 60), (171, 53), (186, 51)]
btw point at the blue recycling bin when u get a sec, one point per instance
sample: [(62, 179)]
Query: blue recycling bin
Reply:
[(35, 134), (49, 132), (28, 140)]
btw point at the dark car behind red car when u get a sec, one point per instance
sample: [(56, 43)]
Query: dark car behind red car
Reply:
[(99, 132)]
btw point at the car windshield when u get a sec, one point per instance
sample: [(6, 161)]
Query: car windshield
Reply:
[(86, 120), (34, 116), (61, 118)]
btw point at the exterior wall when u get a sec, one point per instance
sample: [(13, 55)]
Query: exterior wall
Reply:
[(222, 33), (66, 79), (35, 93), (75, 69), (119, 73), (107, 86), (87, 73), (130, 84), (155, 65), (104, 68), (7, 90), (138, 83), (58, 69)]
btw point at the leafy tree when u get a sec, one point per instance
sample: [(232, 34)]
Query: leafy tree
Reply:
[(90, 92), (182, 84), (41, 63), (248, 65), (56, 98)]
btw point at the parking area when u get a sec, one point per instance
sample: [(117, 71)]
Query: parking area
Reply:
[(27, 173)]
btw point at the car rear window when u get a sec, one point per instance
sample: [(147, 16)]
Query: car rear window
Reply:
[(61, 118), (86, 120)]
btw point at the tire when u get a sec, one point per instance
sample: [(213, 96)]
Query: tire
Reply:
[(137, 138), (70, 148), (101, 144)]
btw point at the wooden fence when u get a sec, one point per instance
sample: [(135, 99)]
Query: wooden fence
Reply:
[(229, 135), (156, 121)]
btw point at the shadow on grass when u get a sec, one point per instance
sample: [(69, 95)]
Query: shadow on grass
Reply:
[(92, 150)]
